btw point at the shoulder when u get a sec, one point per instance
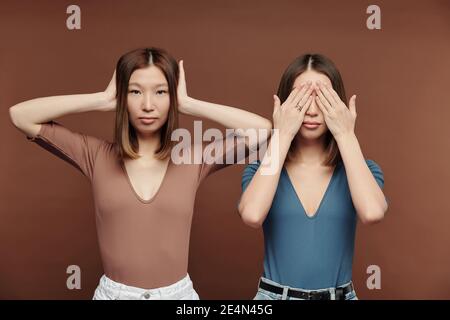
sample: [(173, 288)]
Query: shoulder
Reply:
[(252, 167), (249, 173), (373, 166), (376, 171)]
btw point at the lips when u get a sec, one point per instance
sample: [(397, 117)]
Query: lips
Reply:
[(311, 125), (310, 122), (147, 120)]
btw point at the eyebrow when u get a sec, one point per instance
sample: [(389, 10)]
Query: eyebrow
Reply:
[(155, 86)]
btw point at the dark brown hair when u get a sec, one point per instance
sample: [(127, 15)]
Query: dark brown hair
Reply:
[(124, 133), (321, 64)]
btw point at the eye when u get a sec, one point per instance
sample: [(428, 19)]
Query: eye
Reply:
[(161, 92), (134, 91)]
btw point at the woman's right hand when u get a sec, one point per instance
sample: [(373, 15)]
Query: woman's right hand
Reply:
[(288, 117), (110, 102)]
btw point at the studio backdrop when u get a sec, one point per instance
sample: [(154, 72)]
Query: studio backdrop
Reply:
[(234, 53)]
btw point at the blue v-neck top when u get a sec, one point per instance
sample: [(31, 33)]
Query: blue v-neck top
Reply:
[(310, 252)]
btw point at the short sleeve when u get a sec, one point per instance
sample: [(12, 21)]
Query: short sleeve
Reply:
[(248, 174), (376, 172), (221, 153), (79, 150)]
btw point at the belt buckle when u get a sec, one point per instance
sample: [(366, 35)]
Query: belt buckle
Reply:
[(340, 294), (314, 295)]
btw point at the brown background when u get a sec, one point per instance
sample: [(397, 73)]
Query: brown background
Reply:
[(235, 53)]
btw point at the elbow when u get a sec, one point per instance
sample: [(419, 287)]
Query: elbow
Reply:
[(267, 124), (249, 217), (17, 117), (252, 222), (372, 216), (13, 115)]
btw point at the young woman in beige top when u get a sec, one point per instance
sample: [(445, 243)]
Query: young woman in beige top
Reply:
[(143, 200)]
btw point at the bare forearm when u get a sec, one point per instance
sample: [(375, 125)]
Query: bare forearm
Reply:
[(41, 110), (229, 117), (368, 198), (257, 199)]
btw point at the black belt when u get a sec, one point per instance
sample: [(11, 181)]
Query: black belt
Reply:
[(340, 292)]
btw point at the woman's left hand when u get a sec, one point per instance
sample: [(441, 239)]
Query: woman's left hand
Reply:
[(182, 95), (340, 120)]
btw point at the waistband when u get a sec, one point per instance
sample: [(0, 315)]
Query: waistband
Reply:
[(332, 293), (173, 291)]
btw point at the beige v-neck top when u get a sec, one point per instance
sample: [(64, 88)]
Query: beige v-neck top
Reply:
[(142, 243)]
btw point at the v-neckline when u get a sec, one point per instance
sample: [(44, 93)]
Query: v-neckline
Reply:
[(321, 200), (124, 170)]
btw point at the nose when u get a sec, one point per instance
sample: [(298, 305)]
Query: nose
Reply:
[(147, 103), (313, 109)]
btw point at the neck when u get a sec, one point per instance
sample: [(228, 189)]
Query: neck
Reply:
[(308, 152), (148, 145)]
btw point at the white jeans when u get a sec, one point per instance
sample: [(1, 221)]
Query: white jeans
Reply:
[(110, 290)]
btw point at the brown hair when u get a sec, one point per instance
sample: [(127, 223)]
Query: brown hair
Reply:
[(124, 133), (322, 64)]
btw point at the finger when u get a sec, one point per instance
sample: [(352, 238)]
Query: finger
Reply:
[(112, 83), (333, 93), (321, 106), (306, 105), (327, 94), (352, 105), (292, 95), (305, 96), (324, 101), (306, 87), (113, 79), (276, 103), (181, 67), (299, 90)]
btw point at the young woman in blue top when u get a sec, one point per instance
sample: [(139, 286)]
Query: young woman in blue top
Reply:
[(308, 207)]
